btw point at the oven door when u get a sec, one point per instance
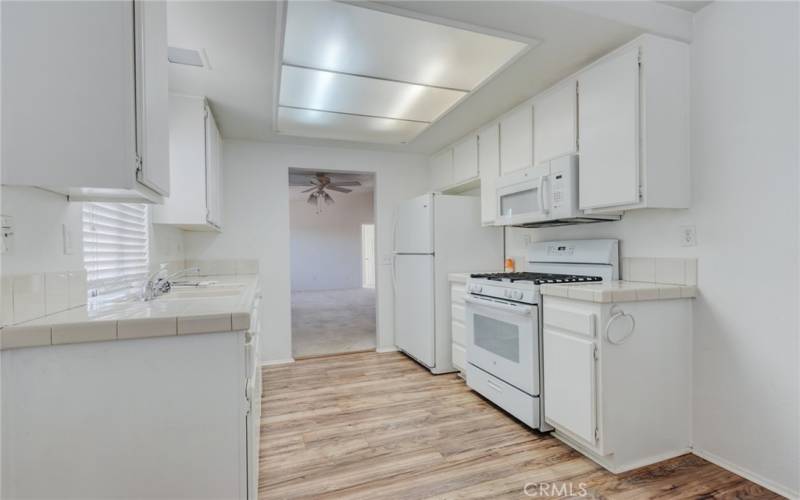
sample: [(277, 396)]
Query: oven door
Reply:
[(523, 201), (503, 340)]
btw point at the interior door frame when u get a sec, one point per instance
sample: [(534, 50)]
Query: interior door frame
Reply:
[(364, 283), (375, 197)]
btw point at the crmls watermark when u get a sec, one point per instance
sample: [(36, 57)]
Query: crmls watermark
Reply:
[(555, 489)]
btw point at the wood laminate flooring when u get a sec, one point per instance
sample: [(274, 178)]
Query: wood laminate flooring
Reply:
[(378, 426)]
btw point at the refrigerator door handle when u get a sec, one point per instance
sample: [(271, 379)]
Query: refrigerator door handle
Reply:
[(394, 232), (394, 273)]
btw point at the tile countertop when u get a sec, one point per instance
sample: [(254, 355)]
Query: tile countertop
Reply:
[(130, 319), (619, 291), (458, 277)]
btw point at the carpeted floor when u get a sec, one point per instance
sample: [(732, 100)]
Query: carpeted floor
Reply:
[(333, 321)]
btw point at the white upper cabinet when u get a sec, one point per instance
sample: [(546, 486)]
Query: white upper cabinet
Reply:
[(152, 90), (633, 127), (555, 122), (441, 166), (516, 139), (609, 121), (489, 164), (84, 98), (213, 170), (195, 151), (465, 159)]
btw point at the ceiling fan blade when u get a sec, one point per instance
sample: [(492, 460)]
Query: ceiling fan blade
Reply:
[(327, 198), (337, 188), (345, 183), (309, 189), (312, 199)]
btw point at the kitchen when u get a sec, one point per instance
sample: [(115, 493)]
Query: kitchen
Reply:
[(685, 99)]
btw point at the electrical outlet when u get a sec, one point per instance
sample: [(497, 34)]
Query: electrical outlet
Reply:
[(688, 236), (7, 233), (526, 240)]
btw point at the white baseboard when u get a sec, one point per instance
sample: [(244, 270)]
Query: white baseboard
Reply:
[(277, 362), (387, 349), (747, 474)]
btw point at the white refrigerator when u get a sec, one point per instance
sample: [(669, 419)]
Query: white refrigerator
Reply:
[(435, 235)]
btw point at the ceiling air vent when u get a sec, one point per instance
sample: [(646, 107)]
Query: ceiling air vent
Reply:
[(187, 57)]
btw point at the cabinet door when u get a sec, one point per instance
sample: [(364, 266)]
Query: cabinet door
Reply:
[(68, 94), (465, 160), (152, 94), (213, 173), (569, 383), (489, 164), (442, 169), (555, 123), (608, 124), (516, 140)]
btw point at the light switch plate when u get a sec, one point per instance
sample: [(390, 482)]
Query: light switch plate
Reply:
[(6, 234), (66, 238)]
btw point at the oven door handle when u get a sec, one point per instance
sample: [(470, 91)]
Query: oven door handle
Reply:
[(521, 310)]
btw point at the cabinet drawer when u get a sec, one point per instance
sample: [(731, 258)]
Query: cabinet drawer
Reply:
[(459, 357), (511, 399), (458, 313), (572, 321), (457, 292), (459, 333)]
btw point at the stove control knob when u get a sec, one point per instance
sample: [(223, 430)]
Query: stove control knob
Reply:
[(508, 294), (516, 295), (476, 288)]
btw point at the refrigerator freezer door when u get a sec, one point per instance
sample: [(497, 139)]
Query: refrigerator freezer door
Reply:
[(413, 230), (414, 307)]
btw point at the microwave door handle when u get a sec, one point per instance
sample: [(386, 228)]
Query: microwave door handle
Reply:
[(541, 195)]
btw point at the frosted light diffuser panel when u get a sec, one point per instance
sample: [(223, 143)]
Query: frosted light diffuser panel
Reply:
[(323, 90), (377, 65), (346, 127)]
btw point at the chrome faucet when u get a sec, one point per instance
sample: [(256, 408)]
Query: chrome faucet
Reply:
[(156, 286)]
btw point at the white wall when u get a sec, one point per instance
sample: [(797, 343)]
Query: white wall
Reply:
[(326, 247), (38, 240), (256, 215), (745, 209), (38, 216)]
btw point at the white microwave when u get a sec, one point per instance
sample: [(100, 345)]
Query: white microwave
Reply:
[(544, 195)]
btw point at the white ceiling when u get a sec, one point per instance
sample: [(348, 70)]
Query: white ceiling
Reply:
[(239, 39)]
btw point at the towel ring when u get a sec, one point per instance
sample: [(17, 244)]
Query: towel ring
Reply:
[(615, 316)]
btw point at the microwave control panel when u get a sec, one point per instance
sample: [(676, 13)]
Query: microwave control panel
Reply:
[(559, 193)]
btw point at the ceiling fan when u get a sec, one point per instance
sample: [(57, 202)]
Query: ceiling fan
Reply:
[(320, 185)]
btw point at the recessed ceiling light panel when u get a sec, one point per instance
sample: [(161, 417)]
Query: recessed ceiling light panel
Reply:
[(357, 73)]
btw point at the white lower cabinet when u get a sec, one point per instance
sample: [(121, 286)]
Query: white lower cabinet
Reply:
[(570, 385), (620, 396), (458, 326), (195, 153)]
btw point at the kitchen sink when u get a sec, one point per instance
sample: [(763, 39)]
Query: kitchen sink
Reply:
[(212, 290)]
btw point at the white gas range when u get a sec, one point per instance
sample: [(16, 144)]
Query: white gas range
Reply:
[(504, 321)]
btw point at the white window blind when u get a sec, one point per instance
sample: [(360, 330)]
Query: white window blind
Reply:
[(115, 248)]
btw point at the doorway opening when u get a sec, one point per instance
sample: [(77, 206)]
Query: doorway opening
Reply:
[(332, 233)]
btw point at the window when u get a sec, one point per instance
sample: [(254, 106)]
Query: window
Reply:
[(115, 248)]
